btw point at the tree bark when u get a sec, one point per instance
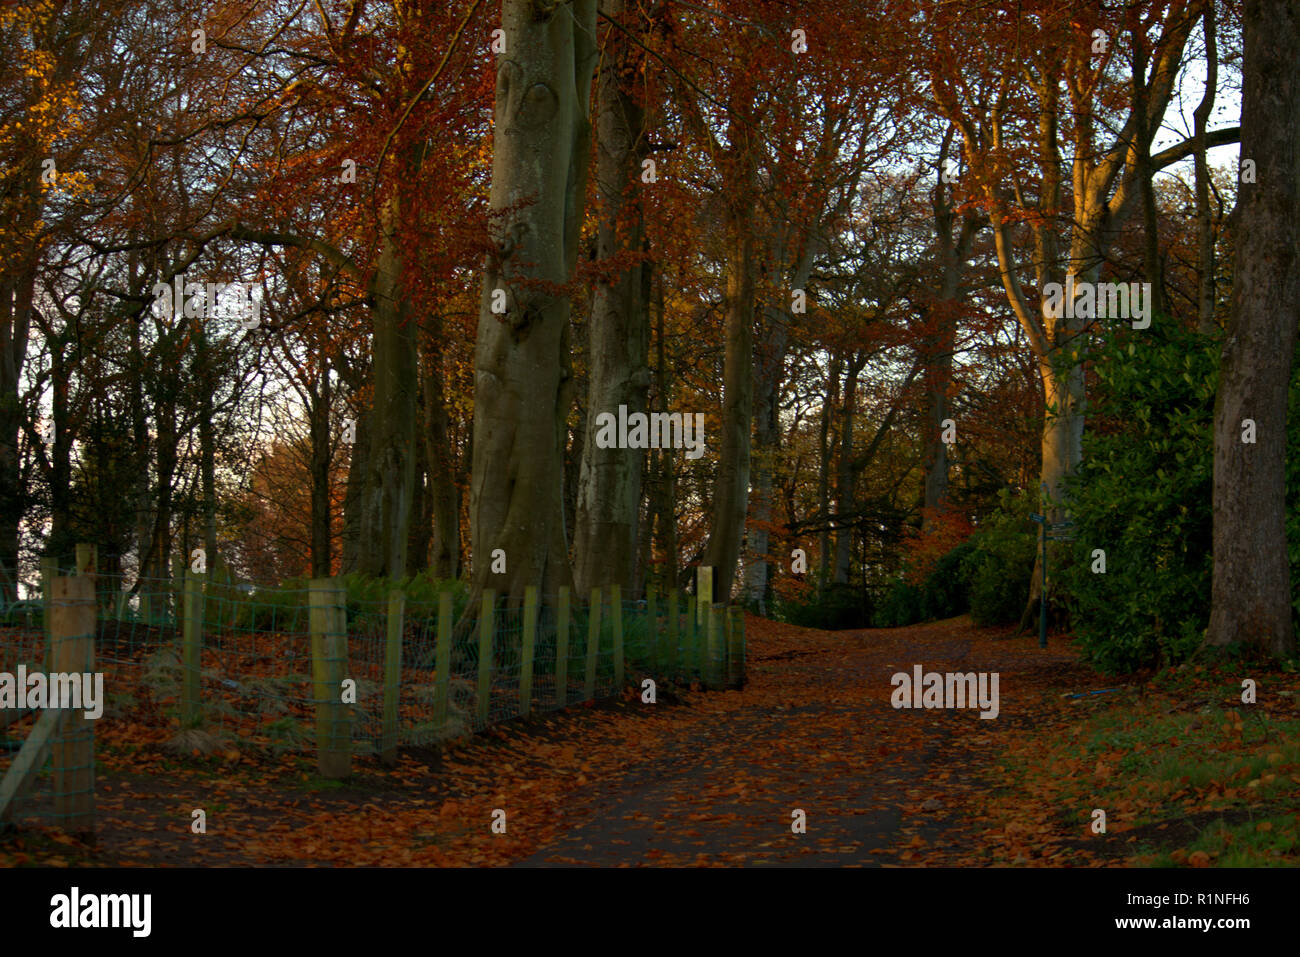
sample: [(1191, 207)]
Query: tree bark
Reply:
[(1204, 226), (665, 477), (442, 474), (845, 474), (388, 492), (321, 557), (352, 493), (541, 141), (769, 368), (1251, 594), (618, 332), (731, 483), (825, 443)]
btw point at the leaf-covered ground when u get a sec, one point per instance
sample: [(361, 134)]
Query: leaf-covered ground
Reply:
[(1186, 773)]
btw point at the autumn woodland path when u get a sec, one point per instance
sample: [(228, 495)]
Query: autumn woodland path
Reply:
[(696, 778), (815, 731)]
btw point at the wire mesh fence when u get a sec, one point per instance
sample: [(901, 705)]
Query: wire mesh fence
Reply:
[(202, 662)]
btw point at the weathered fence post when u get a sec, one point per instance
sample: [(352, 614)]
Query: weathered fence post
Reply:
[(717, 648), (87, 559), (485, 625), (395, 624), (74, 748), (703, 603), (442, 664), (736, 647), (562, 648), (616, 610), (593, 647), (328, 623), (88, 564), (526, 663), (191, 649)]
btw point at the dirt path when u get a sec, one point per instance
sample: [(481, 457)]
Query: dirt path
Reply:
[(814, 731), (697, 778)]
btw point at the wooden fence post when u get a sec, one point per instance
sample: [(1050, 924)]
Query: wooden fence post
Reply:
[(328, 622), (616, 610), (485, 625), (703, 603), (593, 646), (442, 675), (191, 649), (526, 664), (562, 648), (716, 646), (88, 564), (395, 624), (87, 559), (74, 748), (736, 647)]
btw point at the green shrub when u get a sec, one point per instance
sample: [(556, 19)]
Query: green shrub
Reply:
[(901, 606), (946, 591), (1001, 560), (1143, 495), (839, 607)]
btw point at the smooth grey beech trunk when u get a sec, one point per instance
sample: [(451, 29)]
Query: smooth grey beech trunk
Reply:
[(522, 377), (1251, 594), (388, 479), (618, 332)]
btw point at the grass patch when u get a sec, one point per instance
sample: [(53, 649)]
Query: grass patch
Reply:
[(1186, 773)]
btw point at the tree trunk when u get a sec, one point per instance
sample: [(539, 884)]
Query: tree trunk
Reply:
[(845, 473), (420, 538), (664, 484), (731, 484), (1205, 232), (1251, 595), (15, 321), (352, 494), (442, 474), (618, 333), (825, 443), (61, 540), (321, 557), (207, 444), (541, 141), (388, 493), (769, 366)]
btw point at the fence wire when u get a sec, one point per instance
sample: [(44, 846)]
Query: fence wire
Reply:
[(246, 678)]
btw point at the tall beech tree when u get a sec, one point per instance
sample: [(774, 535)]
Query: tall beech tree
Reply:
[(618, 330), (523, 378), (1058, 104), (1251, 595)]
